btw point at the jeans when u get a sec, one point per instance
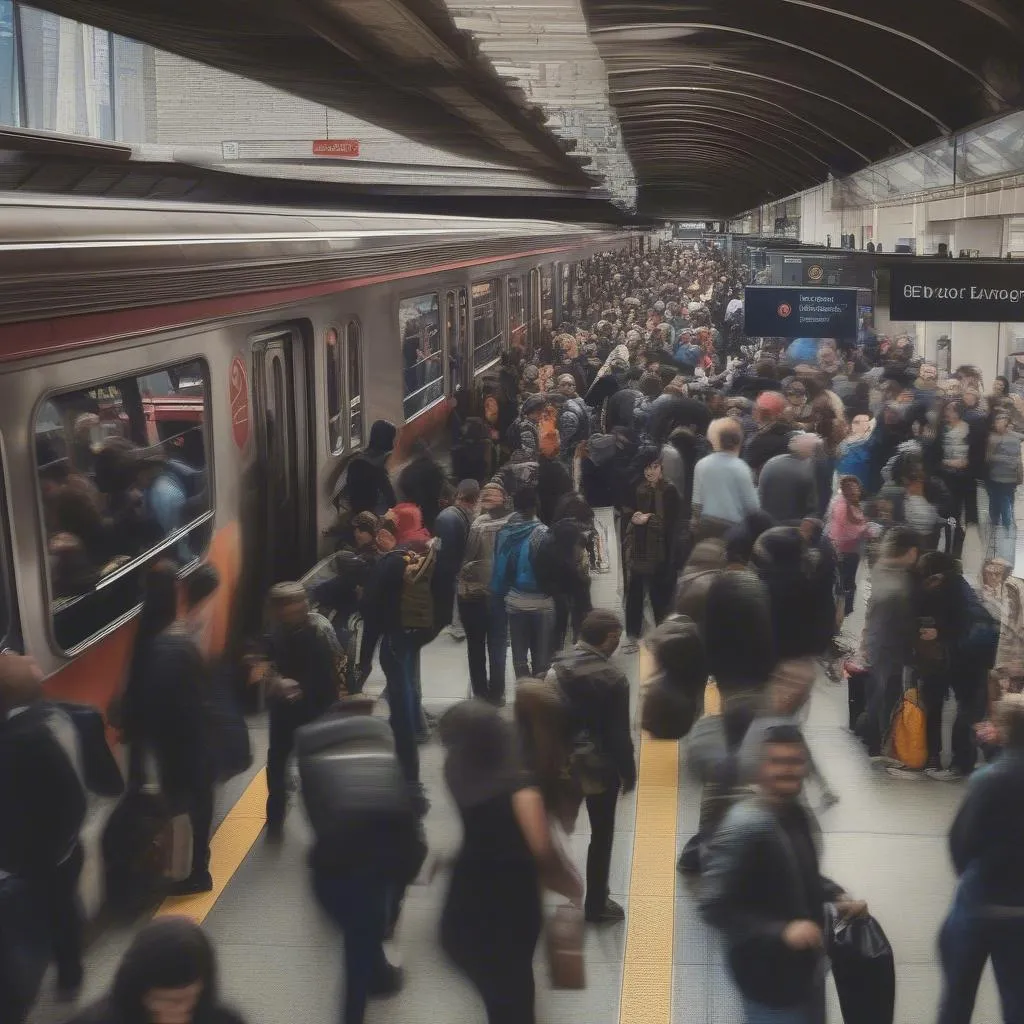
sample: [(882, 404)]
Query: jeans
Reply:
[(399, 656), (285, 718), (811, 1011), (359, 907), (1000, 503), (660, 585), (601, 812), (486, 626), (531, 633), (884, 695), (848, 565), (966, 940)]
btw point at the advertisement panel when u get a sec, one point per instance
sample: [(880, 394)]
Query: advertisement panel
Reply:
[(800, 312), (985, 293)]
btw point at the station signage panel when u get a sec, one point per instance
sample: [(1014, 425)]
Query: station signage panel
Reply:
[(800, 312), (340, 149), (988, 293)]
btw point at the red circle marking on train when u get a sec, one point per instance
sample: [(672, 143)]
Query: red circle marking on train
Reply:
[(238, 396)]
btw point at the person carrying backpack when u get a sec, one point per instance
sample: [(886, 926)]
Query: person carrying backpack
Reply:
[(573, 420), (595, 693), (531, 611)]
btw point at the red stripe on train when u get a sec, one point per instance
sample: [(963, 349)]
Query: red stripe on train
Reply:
[(20, 340)]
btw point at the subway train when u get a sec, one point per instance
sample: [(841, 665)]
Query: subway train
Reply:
[(242, 354)]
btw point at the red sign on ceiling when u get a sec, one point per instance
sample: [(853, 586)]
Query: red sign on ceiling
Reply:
[(343, 148)]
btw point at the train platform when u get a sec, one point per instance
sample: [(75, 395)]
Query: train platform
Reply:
[(280, 960)]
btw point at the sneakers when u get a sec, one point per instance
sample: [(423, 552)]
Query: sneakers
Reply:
[(901, 771), (608, 914), (945, 774), (630, 645), (883, 762), (456, 633), (192, 886)]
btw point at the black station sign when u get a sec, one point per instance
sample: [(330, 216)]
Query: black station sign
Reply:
[(951, 290), (800, 312)]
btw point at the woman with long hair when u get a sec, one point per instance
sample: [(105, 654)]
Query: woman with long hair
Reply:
[(167, 976), (492, 913)]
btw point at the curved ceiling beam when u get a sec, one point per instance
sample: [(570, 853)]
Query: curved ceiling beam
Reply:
[(914, 40), (707, 128), (726, 112), (749, 74), (940, 124), (759, 163), (777, 106)]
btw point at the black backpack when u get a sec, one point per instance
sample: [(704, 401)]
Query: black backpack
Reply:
[(136, 843)]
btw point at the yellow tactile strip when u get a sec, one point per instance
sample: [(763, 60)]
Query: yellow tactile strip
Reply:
[(228, 848), (647, 972)]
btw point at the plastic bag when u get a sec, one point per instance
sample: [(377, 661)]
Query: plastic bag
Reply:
[(862, 966), (908, 733)]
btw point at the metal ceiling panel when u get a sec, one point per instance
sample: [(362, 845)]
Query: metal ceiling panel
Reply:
[(725, 105), (391, 62)]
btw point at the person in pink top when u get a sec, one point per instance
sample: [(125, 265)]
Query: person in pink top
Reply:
[(847, 528)]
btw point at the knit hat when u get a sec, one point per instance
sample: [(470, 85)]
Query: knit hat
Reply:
[(651, 385), (534, 404), (365, 521), (408, 520)]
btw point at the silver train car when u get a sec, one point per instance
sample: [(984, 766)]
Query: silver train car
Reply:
[(238, 355)]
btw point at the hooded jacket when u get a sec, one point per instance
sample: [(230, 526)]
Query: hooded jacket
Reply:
[(596, 695), (474, 581), (507, 575)]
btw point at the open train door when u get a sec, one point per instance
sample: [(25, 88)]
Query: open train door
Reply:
[(284, 456)]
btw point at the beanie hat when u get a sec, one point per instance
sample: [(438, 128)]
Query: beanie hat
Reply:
[(651, 385)]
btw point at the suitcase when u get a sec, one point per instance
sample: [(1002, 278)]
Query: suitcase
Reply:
[(565, 948)]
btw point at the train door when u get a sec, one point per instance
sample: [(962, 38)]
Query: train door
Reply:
[(456, 319), (533, 307), (283, 453)]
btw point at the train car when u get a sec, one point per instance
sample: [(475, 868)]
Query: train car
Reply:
[(238, 355)]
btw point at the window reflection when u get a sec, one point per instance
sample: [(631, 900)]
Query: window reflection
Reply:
[(422, 364), (488, 333), (9, 109)]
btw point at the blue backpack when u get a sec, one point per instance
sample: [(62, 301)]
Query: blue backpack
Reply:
[(513, 566)]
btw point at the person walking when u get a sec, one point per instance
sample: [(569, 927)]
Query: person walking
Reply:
[(531, 611), (452, 530), (1003, 472), (42, 807), (167, 976), (492, 912), (762, 887), (596, 696), (483, 613), (723, 485), (787, 486), (650, 529), (986, 918), (304, 669), (847, 527)]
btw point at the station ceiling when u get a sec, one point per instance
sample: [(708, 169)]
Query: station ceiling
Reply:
[(727, 104), (401, 64)]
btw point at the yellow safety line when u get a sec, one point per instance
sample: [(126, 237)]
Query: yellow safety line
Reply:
[(228, 848), (647, 971)]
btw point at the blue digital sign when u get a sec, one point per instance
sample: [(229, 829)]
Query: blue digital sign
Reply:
[(800, 312)]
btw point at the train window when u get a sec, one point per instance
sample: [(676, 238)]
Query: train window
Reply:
[(565, 292), (354, 385), (488, 334), (422, 358), (547, 301), (517, 318), (335, 424), (123, 471)]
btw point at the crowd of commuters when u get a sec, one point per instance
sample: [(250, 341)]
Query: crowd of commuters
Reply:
[(749, 489)]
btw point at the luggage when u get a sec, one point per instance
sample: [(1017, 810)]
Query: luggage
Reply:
[(565, 948), (907, 733), (862, 966), (101, 770), (144, 847)]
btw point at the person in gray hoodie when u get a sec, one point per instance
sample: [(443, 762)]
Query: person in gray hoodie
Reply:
[(482, 613)]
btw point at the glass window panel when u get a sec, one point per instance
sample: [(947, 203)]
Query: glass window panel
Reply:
[(517, 327), (355, 386), (128, 75), (422, 364), (67, 75), (488, 334), (547, 301), (332, 350), (123, 481), (9, 107), (993, 149)]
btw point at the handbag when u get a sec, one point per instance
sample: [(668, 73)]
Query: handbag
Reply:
[(908, 731), (863, 967), (564, 940)]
